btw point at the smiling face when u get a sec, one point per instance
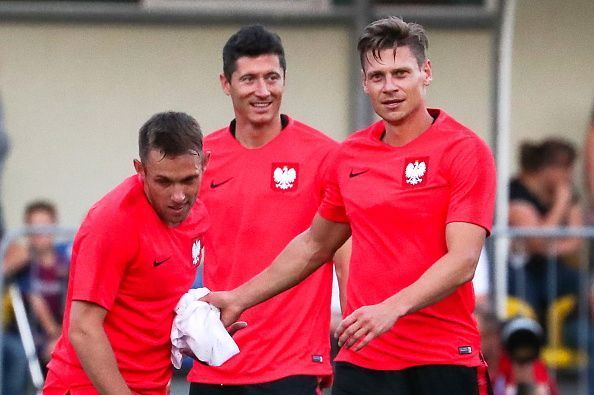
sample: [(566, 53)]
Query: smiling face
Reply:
[(171, 183), (256, 89), (396, 84)]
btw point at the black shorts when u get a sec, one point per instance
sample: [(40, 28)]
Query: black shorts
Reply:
[(420, 380), (292, 385)]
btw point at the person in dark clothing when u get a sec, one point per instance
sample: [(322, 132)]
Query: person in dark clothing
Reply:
[(543, 195)]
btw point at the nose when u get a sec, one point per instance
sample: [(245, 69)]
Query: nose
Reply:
[(390, 84), (262, 88), (179, 195)]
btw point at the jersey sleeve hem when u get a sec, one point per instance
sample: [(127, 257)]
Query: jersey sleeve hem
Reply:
[(90, 299), (486, 227), (333, 215)]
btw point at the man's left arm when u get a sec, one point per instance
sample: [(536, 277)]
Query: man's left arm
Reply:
[(456, 267)]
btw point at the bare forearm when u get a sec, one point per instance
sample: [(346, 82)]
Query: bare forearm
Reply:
[(15, 259), (464, 242), (297, 261), (567, 246), (98, 361), (438, 282), (570, 245), (44, 315), (556, 216)]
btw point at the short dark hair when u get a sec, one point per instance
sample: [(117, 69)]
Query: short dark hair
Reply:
[(252, 41), (393, 32), (40, 205), (549, 152), (173, 133)]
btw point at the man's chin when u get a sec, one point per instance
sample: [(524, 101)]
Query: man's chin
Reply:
[(175, 220)]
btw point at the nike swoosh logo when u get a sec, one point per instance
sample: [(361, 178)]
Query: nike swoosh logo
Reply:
[(358, 173), (159, 263), (214, 185)]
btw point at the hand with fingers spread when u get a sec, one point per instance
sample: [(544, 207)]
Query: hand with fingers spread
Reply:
[(363, 325)]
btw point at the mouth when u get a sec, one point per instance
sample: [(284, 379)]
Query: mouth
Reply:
[(177, 209), (392, 103), (261, 105)]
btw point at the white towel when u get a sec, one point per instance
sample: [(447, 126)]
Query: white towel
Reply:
[(197, 328)]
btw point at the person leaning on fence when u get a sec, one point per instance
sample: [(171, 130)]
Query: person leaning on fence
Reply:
[(417, 191), (135, 254), (543, 195)]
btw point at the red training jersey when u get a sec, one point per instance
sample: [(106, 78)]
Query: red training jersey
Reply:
[(259, 200), (128, 261), (398, 201)]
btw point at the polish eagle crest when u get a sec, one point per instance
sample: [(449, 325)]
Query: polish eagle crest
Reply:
[(414, 172), (284, 177)]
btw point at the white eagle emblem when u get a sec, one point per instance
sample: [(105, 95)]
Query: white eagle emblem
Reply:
[(197, 253), (284, 178), (414, 172)]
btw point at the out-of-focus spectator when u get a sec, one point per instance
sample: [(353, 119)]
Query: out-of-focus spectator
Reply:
[(39, 267), (48, 278), (512, 353), (542, 195)]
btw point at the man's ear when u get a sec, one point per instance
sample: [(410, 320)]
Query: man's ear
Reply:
[(364, 81), (205, 159), (139, 167), (428, 73), (225, 84)]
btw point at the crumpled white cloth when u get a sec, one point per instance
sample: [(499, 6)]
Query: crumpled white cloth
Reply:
[(197, 328)]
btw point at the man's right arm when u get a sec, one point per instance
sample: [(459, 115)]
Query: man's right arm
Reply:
[(89, 340), (301, 257)]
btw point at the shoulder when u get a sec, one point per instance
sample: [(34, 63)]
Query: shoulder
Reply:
[(310, 134), (120, 207), (216, 137), (460, 146), (363, 136), (458, 134)]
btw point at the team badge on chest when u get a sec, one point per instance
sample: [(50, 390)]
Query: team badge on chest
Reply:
[(284, 176), (197, 252), (415, 171)]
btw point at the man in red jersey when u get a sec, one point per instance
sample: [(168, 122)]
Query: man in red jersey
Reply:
[(416, 190), (134, 256), (262, 188)]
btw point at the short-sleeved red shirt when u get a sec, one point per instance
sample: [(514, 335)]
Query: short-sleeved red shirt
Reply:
[(128, 261), (259, 200), (398, 201)]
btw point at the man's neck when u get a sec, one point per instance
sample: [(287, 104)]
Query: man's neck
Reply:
[(399, 134), (255, 136)]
